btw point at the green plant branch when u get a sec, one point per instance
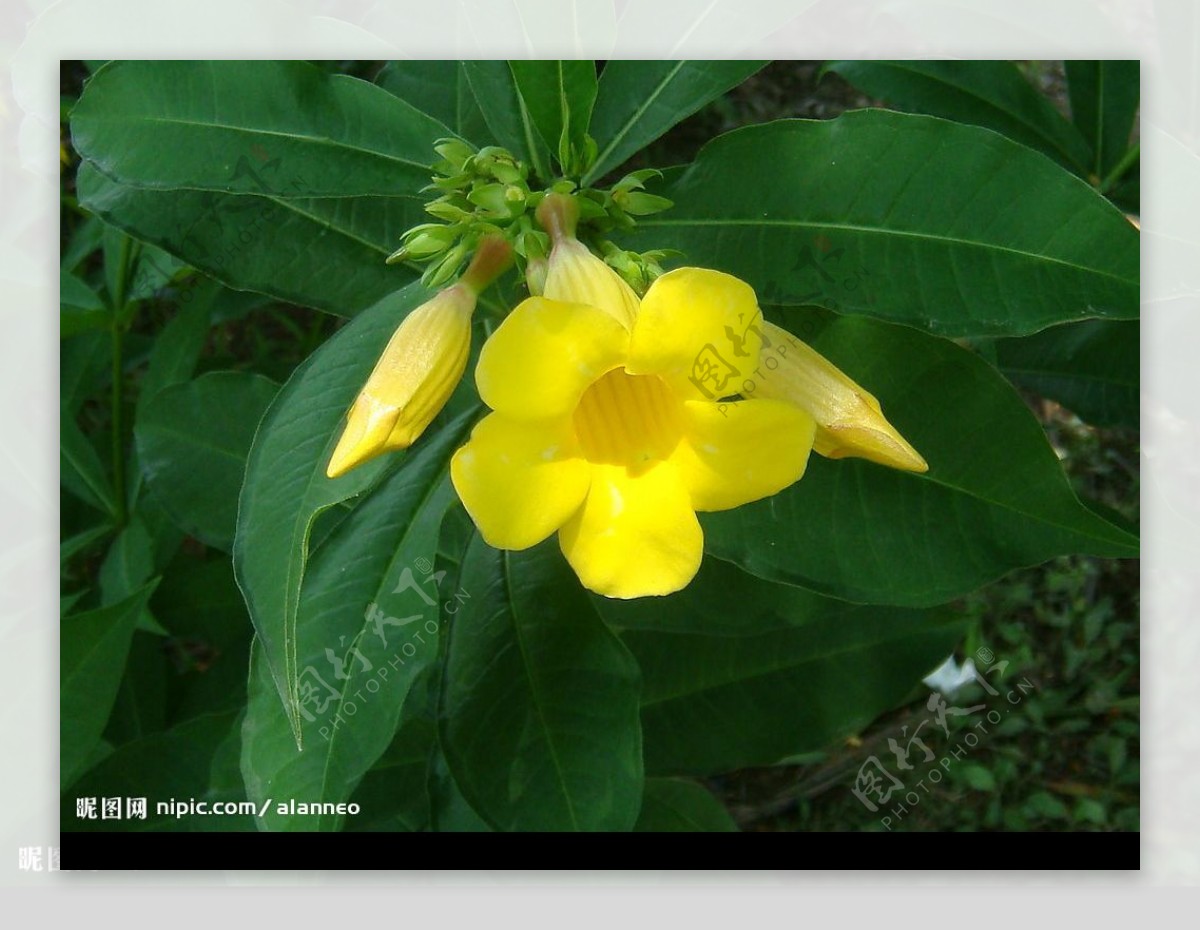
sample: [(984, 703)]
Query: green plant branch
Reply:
[(1128, 160)]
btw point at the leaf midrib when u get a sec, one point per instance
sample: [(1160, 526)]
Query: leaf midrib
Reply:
[(884, 231), (629, 124), (259, 131), (429, 493), (533, 691)]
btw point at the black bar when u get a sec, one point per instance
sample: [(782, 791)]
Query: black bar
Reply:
[(929, 852)]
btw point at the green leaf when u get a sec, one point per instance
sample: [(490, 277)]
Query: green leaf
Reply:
[(155, 269), (716, 703), (638, 101), (286, 489), (80, 469), (193, 439), (394, 795), (1092, 368), (140, 707), (180, 764), (440, 89), (199, 602), (85, 240), (178, 346), (139, 552), (82, 541), (722, 600), (978, 778), (83, 368), (449, 809), (995, 497), (559, 96), (1104, 101), (91, 661), (539, 719), (913, 219), (81, 308), (675, 805), (367, 625), (991, 94), (326, 253), (507, 115), (286, 128)]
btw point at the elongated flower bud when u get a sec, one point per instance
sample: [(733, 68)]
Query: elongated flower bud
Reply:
[(418, 370), (573, 273), (850, 423), (411, 382)]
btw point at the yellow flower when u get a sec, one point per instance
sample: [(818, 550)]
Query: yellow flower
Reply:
[(603, 432), (849, 420), (418, 370)]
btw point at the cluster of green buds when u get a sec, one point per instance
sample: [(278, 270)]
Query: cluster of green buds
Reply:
[(487, 193)]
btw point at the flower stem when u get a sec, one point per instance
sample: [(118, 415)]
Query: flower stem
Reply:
[(118, 445)]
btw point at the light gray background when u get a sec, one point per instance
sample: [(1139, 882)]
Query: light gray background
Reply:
[(35, 34)]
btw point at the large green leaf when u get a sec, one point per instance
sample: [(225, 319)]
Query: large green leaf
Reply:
[(286, 489), (992, 94), (193, 439), (539, 719), (559, 96), (1092, 368), (995, 497), (638, 101), (439, 88), (367, 625), (716, 703), (91, 660), (325, 252), (947, 227), (1104, 101), (285, 128), (506, 113), (675, 805)]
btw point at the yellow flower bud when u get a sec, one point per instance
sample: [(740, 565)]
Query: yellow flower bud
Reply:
[(573, 273), (411, 382), (850, 423)]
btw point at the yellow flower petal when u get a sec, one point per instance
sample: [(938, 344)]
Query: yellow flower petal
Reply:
[(850, 422), (735, 453), (697, 329), (635, 535), (545, 355), (519, 481), (575, 275)]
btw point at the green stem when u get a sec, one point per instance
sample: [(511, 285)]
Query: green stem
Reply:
[(118, 445), (1127, 161)]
